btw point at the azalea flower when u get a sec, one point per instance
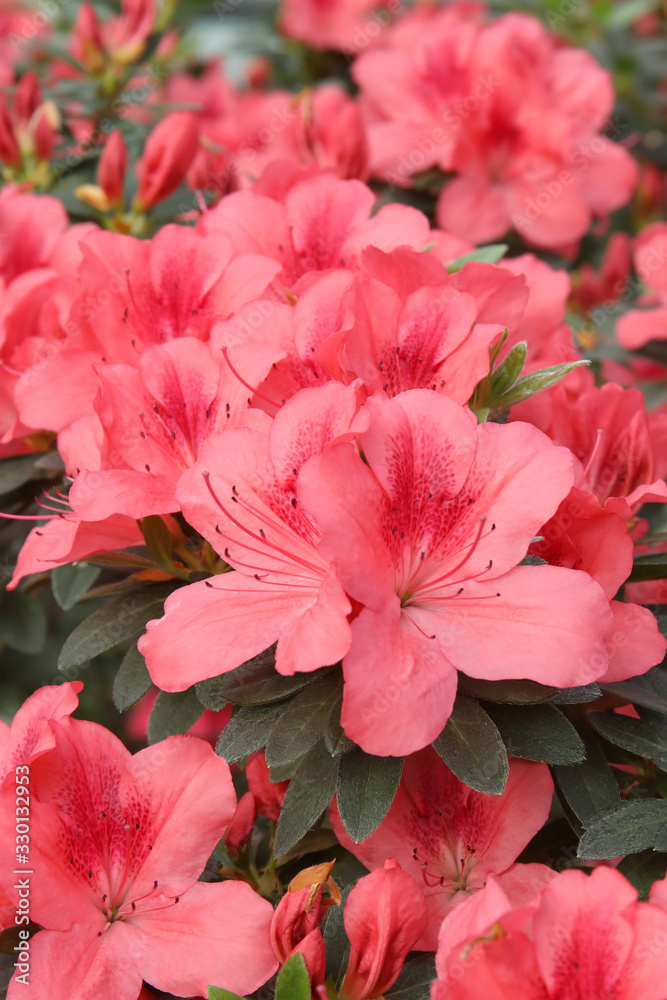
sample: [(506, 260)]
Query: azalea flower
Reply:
[(584, 936), (117, 843), (426, 533), (451, 839), (638, 326), (29, 735), (242, 495)]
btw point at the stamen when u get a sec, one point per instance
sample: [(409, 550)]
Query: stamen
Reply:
[(253, 390)]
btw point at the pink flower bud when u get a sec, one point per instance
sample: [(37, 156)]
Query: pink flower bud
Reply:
[(112, 168), (169, 151)]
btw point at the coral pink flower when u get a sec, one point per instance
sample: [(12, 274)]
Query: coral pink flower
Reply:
[(583, 535), (347, 25), (243, 497), (29, 735), (609, 433), (133, 294), (639, 326), (473, 99), (451, 838), (154, 420), (585, 936), (543, 326), (416, 327), (318, 223), (384, 917), (426, 533), (117, 843)]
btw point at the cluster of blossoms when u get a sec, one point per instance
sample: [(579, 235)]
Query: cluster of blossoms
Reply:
[(339, 453)]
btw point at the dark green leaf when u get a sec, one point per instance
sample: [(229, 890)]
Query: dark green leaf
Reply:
[(538, 732), (285, 771), (366, 789), (257, 683), (173, 713), (210, 694), (293, 981), (642, 571), (471, 746), (414, 982), (643, 869), (132, 680), (15, 472), (335, 739), (506, 374), (215, 993), (629, 829), (114, 623), (589, 787), (636, 735), (536, 382), (311, 790), (71, 582), (248, 730), (577, 695), (649, 690), (303, 721), (335, 939), (506, 692), (487, 255), (22, 622)]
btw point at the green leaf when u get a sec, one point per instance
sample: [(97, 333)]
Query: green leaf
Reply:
[(577, 695), (248, 730), (310, 792), (642, 571), (536, 382), (643, 869), (623, 15), (293, 981), (507, 373), (210, 694), (366, 789), (22, 622), (506, 692), (72, 581), (490, 254), (114, 623), (414, 982), (173, 713), (285, 771), (540, 732), (16, 472), (215, 993), (589, 787), (132, 681), (303, 721), (636, 735), (649, 690), (335, 739), (257, 683), (628, 829), (472, 748), (335, 939)]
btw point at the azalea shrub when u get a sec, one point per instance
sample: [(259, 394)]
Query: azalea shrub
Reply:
[(333, 458)]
